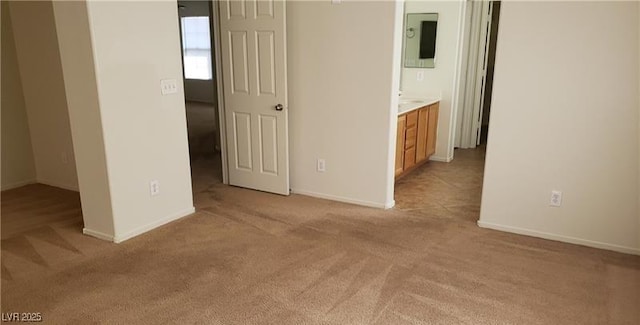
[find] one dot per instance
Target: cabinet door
(400, 144)
(409, 158)
(410, 137)
(421, 145)
(432, 129)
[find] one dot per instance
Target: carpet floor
(247, 257)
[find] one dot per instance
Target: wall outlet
(154, 187)
(321, 166)
(168, 86)
(420, 75)
(556, 198)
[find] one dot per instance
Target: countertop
(406, 105)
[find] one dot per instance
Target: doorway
(196, 21)
(453, 190)
(479, 35)
(490, 68)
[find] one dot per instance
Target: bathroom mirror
(420, 33)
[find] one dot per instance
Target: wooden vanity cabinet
(416, 142)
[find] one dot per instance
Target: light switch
(168, 86)
(420, 75)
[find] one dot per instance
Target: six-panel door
(253, 46)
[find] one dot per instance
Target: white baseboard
(390, 204)
(441, 159)
(97, 234)
(153, 225)
(566, 239)
(57, 184)
(17, 184)
(345, 199)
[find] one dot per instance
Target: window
(196, 48)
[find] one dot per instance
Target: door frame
(481, 72)
(472, 69)
(215, 16)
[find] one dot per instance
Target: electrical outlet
(321, 165)
(556, 198)
(168, 86)
(154, 187)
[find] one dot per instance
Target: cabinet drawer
(409, 158)
(412, 119)
(410, 138)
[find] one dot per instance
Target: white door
(253, 44)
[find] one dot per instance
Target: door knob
(279, 107)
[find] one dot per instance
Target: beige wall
(145, 133)
(128, 134)
(565, 116)
(438, 81)
(341, 98)
(72, 25)
(44, 95)
(17, 154)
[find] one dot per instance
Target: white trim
(60, 185)
(17, 184)
(441, 159)
(390, 204)
(556, 237)
(467, 109)
(396, 80)
(386, 205)
(153, 225)
(481, 72)
(217, 48)
(97, 234)
(460, 76)
(471, 77)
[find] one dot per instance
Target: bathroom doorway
(452, 188)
